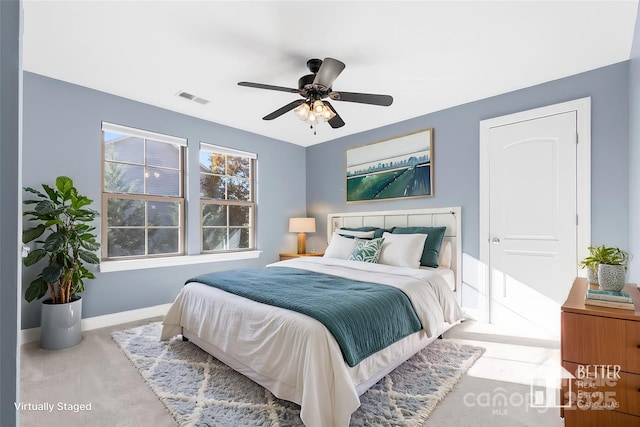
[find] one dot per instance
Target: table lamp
(301, 226)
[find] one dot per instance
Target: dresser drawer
(599, 388)
(595, 340)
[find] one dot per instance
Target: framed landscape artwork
(394, 168)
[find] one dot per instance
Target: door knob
(495, 240)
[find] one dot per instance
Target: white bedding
(295, 356)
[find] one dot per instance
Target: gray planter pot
(611, 277)
(592, 275)
(60, 324)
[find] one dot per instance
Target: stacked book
(609, 299)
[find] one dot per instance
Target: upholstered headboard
(428, 217)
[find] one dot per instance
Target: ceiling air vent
(200, 100)
(190, 97)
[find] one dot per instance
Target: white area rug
(199, 390)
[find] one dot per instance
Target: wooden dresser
(600, 346)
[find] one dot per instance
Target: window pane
(120, 178)
(238, 166)
(214, 239)
(163, 241)
(163, 154)
(211, 162)
(238, 238)
(239, 216)
(216, 163)
(125, 242)
(239, 189)
(205, 161)
(212, 186)
(165, 214)
(122, 148)
(163, 182)
(125, 212)
(214, 216)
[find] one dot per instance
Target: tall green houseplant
(67, 241)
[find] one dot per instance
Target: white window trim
(172, 261)
(159, 137)
(210, 148)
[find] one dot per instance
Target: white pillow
(402, 250)
(444, 257)
(339, 247)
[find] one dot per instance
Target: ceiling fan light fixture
(318, 107)
(316, 112)
(328, 113)
(302, 111)
(312, 118)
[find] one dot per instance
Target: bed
(294, 355)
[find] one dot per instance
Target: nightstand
(294, 255)
(600, 346)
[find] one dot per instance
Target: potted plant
(591, 262)
(606, 266)
(66, 241)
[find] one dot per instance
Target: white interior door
(531, 223)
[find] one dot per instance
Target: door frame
(582, 107)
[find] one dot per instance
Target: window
(227, 204)
(143, 196)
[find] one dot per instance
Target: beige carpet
(97, 372)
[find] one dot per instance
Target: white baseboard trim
(33, 334)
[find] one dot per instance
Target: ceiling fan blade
(362, 98)
(280, 111)
(336, 121)
(269, 87)
(328, 72)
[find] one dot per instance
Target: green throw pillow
(366, 250)
(360, 232)
(359, 228)
(380, 231)
(377, 232)
(432, 245)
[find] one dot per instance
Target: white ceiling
(429, 55)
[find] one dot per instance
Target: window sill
(138, 264)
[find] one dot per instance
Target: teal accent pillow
(359, 228)
(380, 231)
(377, 232)
(366, 250)
(360, 233)
(432, 245)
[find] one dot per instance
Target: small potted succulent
(606, 266)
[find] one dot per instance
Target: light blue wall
(10, 93)
(634, 156)
(456, 155)
(62, 137)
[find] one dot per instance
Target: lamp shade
(302, 225)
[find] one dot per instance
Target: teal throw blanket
(363, 317)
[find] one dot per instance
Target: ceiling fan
(314, 88)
